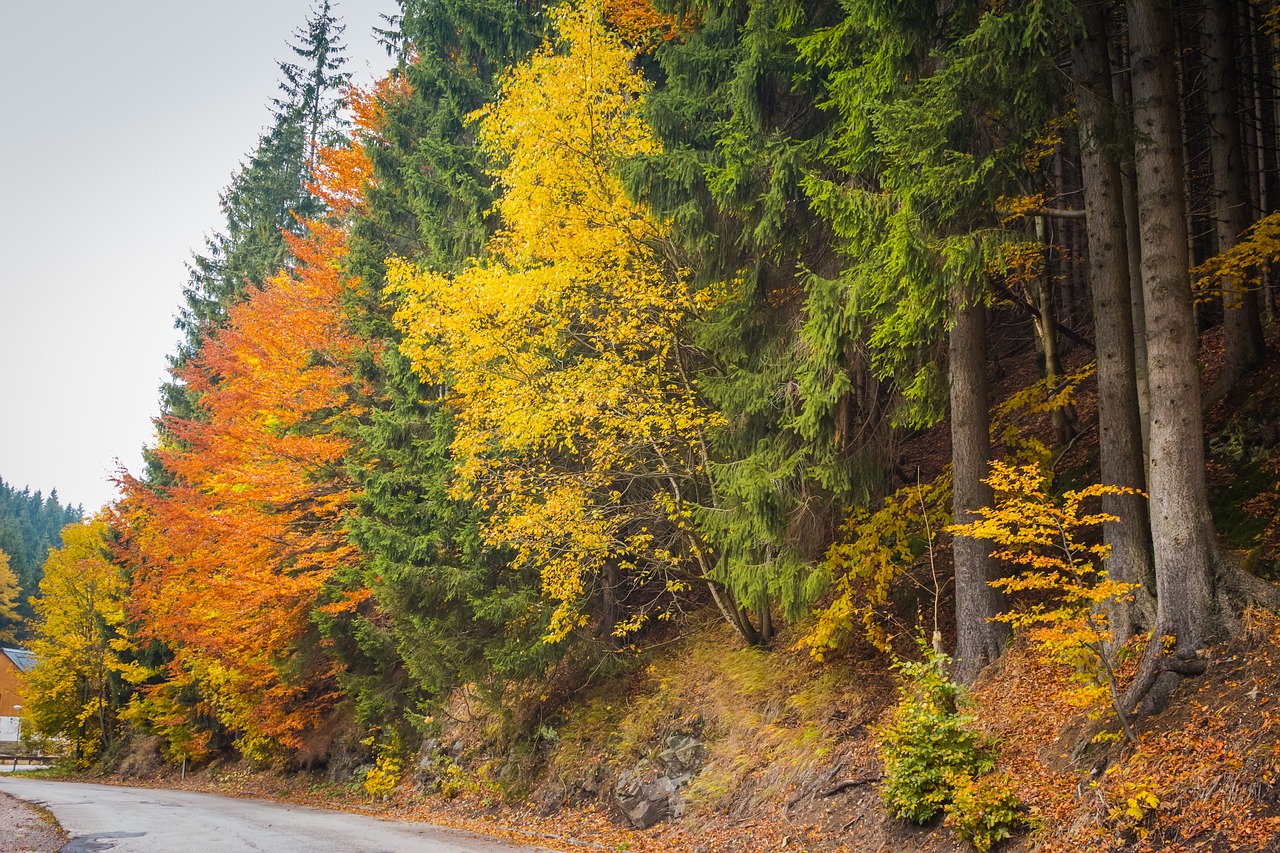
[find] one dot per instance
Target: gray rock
(684, 754)
(648, 796)
(646, 803)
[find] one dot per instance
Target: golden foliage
(874, 551)
(878, 549)
(1242, 264)
(80, 618)
(9, 592)
(1067, 588)
(561, 352)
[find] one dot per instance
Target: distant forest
(30, 524)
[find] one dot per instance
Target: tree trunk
(979, 641)
(1264, 85)
(1047, 328)
(1186, 552)
(1119, 425)
(1241, 323)
(610, 584)
(1129, 191)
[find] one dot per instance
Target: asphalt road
(141, 820)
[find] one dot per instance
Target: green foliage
(313, 90)
(941, 117)
(30, 524)
(929, 743)
(736, 112)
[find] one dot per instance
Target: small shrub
(928, 743)
(984, 811)
(260, 750)
(383, 779)
(452, 780)
(1131, 808)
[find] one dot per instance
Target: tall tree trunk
(1265, 81)
(1241, 323)
(979, 641)
(1129, 192)
(1263, 119)
(1119, 424)
(1250, 104)
(1046, 324)
(1189, 608)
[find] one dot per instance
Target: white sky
(120, 123)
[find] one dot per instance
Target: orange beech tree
(234, 546)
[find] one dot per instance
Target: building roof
(22, 659)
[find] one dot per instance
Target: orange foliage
(1200, 776)
(232, 550)
(643, 26)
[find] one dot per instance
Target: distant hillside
(30, 524)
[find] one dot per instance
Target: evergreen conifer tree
(940, 109)
(313, 87)
(446, 609)
(268, 195)
(737, 114)
(30, 524)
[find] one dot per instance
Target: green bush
(928, 742)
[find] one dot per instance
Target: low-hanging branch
(1030, 310)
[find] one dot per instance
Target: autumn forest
(854, 422)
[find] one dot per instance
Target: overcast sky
(120, 122)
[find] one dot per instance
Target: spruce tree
(446, 610)
(737, 114)
(940, 108)
(30, 524)
(313, 87)
(268, 195)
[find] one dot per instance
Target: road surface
(141, 820)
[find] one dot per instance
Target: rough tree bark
(1046, 325)
(1241, 321)
(1190, 607)
(1119, 422)
(979, 641)
(1129, 192)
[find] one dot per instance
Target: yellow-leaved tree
(1061, 571)
(79, 618)
(577, 425)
